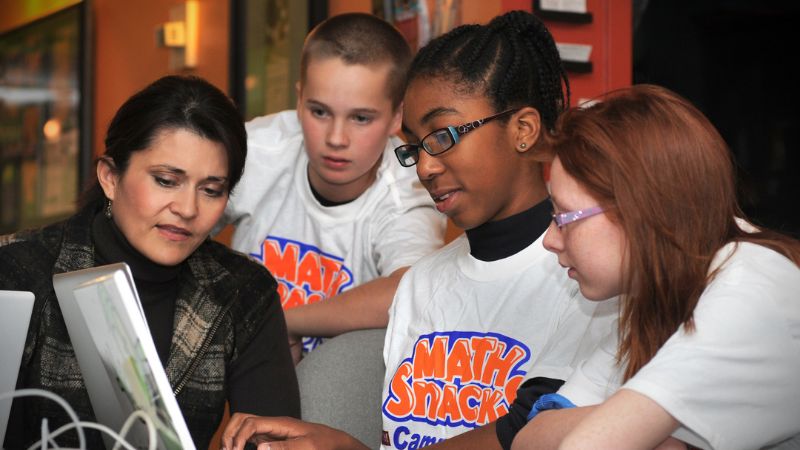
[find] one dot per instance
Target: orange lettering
(434, 393)
(308, 272)
(501, 410)
(314, 298)
(426, 395)
(501, 365)
(296, 297)
(404, 401)
(429, 362)
(458, 362)
(342, 278)
(449, 405)
(486, 410)
(482, 346)
(469, 395)
(510, 389)
(330, 269)
(281, 265)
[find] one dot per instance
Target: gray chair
(341, 384)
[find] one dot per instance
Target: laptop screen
(117, 355)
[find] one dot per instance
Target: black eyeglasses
(441, 140)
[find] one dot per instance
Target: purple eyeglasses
(562, 219)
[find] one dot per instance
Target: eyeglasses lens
(438, 142)
(407, 155)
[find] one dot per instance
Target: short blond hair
(359, 38)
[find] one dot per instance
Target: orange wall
(127, 57)
(610, 34)
(474, 11)
(611, 37)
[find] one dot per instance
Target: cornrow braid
(427, 56)
(513, 60)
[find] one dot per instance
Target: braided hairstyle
(513, 59)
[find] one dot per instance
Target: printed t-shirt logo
(457, 379)
(305, 273)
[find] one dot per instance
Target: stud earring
(108, 209)
(523, 146)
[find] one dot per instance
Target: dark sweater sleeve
(262, 378)
(509, 425)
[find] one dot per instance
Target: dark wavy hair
(171, 103)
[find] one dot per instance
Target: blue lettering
(417, 440)
(414, 444)
(401, 445)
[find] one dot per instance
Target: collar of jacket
(206, 291)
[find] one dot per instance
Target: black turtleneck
(251, 378)
(503, 238)
(155, 283)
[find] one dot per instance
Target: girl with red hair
(708, 347)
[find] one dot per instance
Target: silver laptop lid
(117, 356)
(15, 316)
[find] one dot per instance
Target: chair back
(341, 383)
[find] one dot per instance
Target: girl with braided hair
(492, 313)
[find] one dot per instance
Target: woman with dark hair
(174, 152)
(708, 349)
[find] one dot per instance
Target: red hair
(666, 177)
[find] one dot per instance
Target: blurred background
(67, 65)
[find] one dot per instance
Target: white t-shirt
(316, 252)
(733, 383)
(464, 334)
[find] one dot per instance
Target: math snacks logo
(305, 274)
(457, 379)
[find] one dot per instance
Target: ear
(397, 120)
(298, 92)
(525, 128)
(107, 176)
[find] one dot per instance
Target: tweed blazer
(223, 301)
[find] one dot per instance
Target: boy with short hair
(322, 203)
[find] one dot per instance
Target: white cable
(119, 437)
(46, 436)
(97, 426)
(55, 398)
(43, 431)
(151, 428)
(49, 438)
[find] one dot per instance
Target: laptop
(15, 316)
(117, 356)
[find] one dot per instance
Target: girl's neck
(503, 238)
